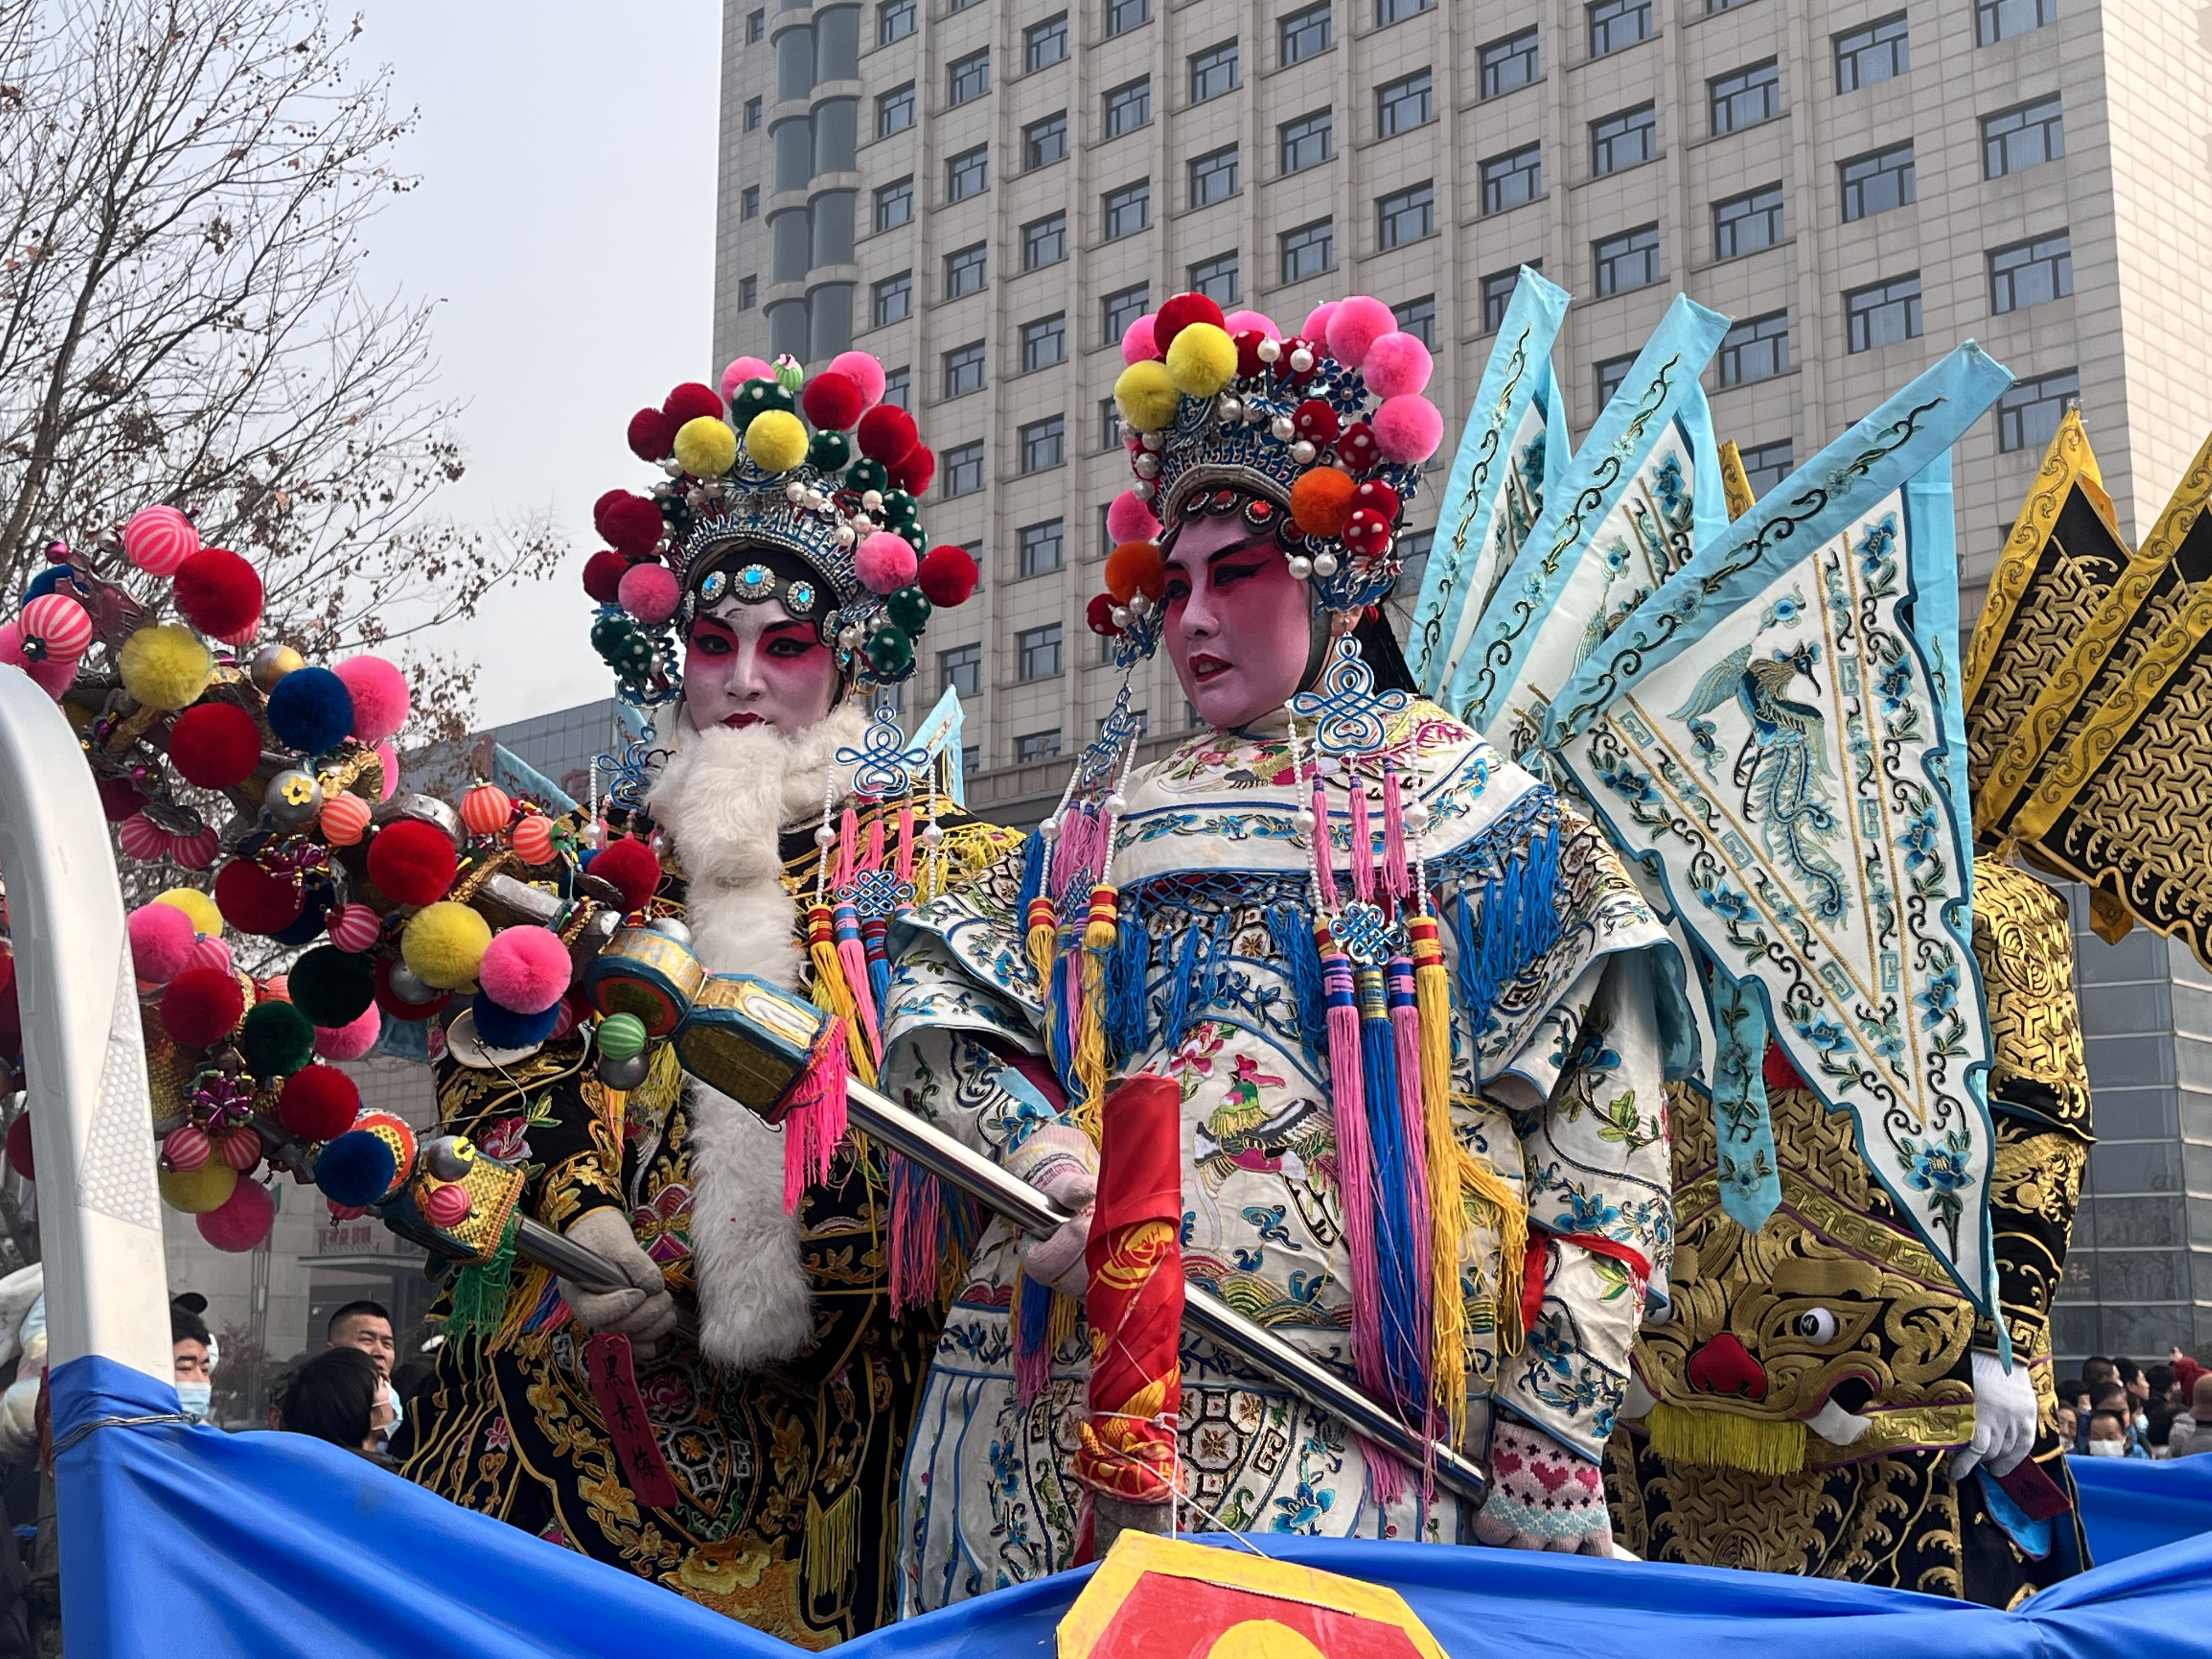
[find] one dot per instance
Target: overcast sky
(565, 224)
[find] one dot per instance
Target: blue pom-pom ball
(311, 711)
(356, 1169)
(502, 1027)
(45, 582)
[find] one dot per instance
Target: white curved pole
(99, 1214)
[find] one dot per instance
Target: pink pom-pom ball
(1315, 332)
(1240, 321)
(650, 592)
(1138, 345)
(886, 563)
(1354, 325)
(1407, 429)
(740, 370)
(527, 968)
(381, 701)
(1128, 520)
(241, 1221)
(143, 838)
(59, 625)
(352, 1040)
(864, 372)
(390, 757)
(159, 539)
(161, 940)
(11, 645)
(1397, 366)
(54, 678)
(353, 928)
(211, 952)
(197, 851)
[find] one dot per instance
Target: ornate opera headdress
(762, 504)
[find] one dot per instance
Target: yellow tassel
(832, 995)
(1484, 1186)
(833, 1543)
(523, 1296)
(1448, 1361)
(1044, 942)
(1065, 1309)
(1099, 934)
(1724, 1440)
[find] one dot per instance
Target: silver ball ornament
(294, 796)
(1301, 359)
(625, 1074)
(1139, 606)
(407, 985)
(1301, 566)
(1302, 452)
(1324, 565)
(1282, 428)
(670, 928)
(1269, 351)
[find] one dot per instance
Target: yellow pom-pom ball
(207, 921)
(705, 446)
(197, 1191)
(1147, 396)
(445, 945)
(1201, 359)
(166, 667)
(777, 440)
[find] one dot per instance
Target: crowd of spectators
(2116, 1409)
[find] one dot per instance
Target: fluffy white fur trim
(724, 798)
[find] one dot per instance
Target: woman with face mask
(1402, 993)
(765, 599)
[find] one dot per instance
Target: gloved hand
(1058, 1160)
(643, 1310)
(1542, 1497)
(2005, 1415)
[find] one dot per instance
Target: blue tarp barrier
(187, 1540)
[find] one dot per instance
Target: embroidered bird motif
(1783, 766)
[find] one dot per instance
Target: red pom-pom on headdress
(215, 744)
(916, 471)
(631, 522)
(218, 593)
(832, 401)
(1179, 313)
(202, 1006)
(652, 435)
(603, 574)
(253, 901)
(947, 576)
(887, 434)
(319, 1103)
(1098, 616)
(412, 862)
(690, 401)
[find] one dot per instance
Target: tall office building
(984, 194)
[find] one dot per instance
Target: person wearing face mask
(1188, 924)
(774, 581)
(188, 1344)
(2111, 1435)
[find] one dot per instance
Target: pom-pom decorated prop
(165, 667)
(277, 1040)
(218, 593)
(241, 1221)
(354, 1040)
(201, 1007)
(256, 902)
(380, 693)
(333, 987)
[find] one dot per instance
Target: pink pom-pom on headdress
(1128, 520)
(740, 370)
(1240, 321)
(1354, 325)
(886, 563)
(864, 372)
(1407, 429)
(526, 969)
(651, 593)
(1397, 366)
(1138, 345)
(352, 1040)
(390, 757)
(161, 940)
(381, 700)
(1315, 332)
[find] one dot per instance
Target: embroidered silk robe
(1557, 1088)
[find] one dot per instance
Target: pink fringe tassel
(1397, 875)
(914, 1203)
(1406, 1034)
(875, 859)
(852, 956)
(906, 844)
(1324, 857)
(815, 1120)
(1355, 1173)
(848, 831)
(1363, 844)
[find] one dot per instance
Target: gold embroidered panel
(2023, 942)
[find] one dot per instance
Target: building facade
(983, 194)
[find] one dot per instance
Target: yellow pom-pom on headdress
(166, 667)
(1147, 396)
(444, 943)
(705, 446)
(776, 440)
(197, 1191)
(1201, 359)
(207, 921)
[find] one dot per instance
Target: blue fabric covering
(178, 1539)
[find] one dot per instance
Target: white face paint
(754, 665)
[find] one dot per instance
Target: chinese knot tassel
(853, 956)
(1413, 1126)
(1355, 1158)
(1447, 1362)
(1042, 941)
(1405, 1329)
(830, 992)
(1098, 939)
(814, 1122)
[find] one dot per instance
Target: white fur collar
(724, 798)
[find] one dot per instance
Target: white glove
(643, 1310)
(2005, 1415)
(1058, 1161)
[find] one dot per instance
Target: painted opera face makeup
(747, 664)
(1239, 625)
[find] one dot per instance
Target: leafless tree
(184, 188)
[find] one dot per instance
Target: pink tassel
(914, 1205)
(815, 1120)
(1363, 844)
(1387, 1478)
(906, 843)
(852, 956)
(1355, 1165)
(875, 860)
(1324, 859)
(1406, 1037)
(1397, 872)
(848, 832)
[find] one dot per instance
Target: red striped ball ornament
(486, 808)
(159, 539)
(353, 928)
(448, 1205)
(344, 818)
(534, 839)
(55, 629)
(143, 838)
(186, 1148)
(211, 952)
(240, 1148)
(198, 851)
